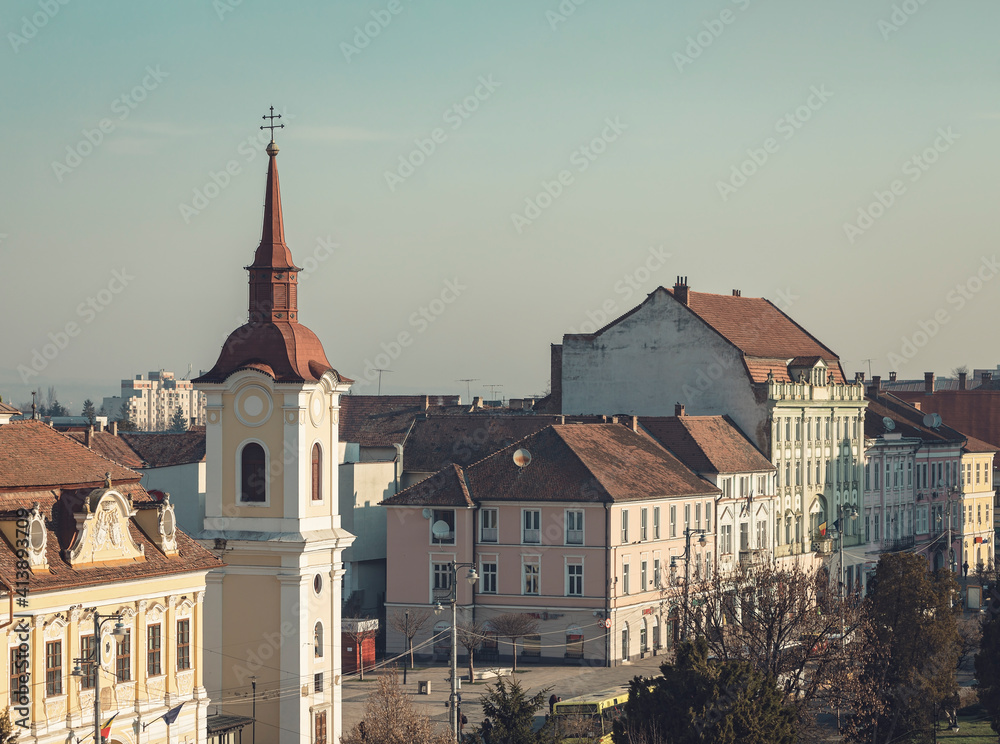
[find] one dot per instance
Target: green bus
(588, 719)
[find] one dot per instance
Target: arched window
(317, 473)
(318, 641)
(253, 474)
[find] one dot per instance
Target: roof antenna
(33, 394)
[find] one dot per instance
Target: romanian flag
(822, 530)
(106, 728)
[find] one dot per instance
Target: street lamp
(472, 577)
(119, 632)
(686, 557)
(849, 512)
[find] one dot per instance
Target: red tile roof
(974, 412)
(107, 444)
(384, 420)
(35, 455)
(978, 445)
(707, 444)
(4, 408)
(446, 487)
(570, 463)
(165, 449)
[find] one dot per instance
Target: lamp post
(409, 643)
(686, 557)
(118, 633)
(472, 577)
(849, 512)
(253, 710)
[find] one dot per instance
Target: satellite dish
(440, 528)
(888, 423)
(427, 513)
(522, 458)
(937, 420)
(929, 420)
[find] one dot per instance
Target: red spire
(273, 276)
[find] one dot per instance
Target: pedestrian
(965, 568)
(552, 703)
(361, 730)
(487, 729)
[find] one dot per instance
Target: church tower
(272, 613)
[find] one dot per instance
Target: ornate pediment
(160, 525)
(102, 531)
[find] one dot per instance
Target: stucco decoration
(55, 708)
(185, 682)
(317, 407)
(37, 539)
(102, 531)
(253, 405)
(160, 525)
(54, 627)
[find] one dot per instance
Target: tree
(178, 422)
(53, 407)
(125, 422)
(988, 658)
(913, 623)
(512, 712)
(89, 412)
(470, 635)
(513, 625)
(726, 702)
(958, 370)
(7, 733)
(408, 624)
(391, 719)
(786, 624)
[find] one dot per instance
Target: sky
(477, 179)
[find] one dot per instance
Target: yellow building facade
(975, 518)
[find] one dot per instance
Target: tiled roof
(447, 487)
(707, 444)
(35, 455)
(58, 511)
(978, 445)
(908, 421)
(437, 441)
(164, 449)
(112, 447)
(570, 463)
(4, 408)
(383, 420)
(974, 412)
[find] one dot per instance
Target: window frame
(574, 579)
(494, 512)
(123, 658)
(53, 672)
(576, 516)
(537, 528)
(316, 472)
(183, 644)
(154, 653)
(446, 540)
(240, 481)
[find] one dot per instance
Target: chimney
(555, 376)
(963, 380)
(892, 377)
(987, 378)
(88, 436)
(681, 290)
(477, 402)
(737, 293)
(928, 383)
(678, 409)
(114, 428)
(876, 384)
(635, 423)
(859, 377)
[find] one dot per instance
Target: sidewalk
(565, 681)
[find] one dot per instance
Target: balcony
(822, 544)
(489, 535)
(532, 537)
(574, 537)
(752, 557)
(897, 544)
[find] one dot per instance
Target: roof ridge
(101, 455)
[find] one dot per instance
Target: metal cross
(272, 126)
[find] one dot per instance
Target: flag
(822, 530)
(171, 715)
(106, 728)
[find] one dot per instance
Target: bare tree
(787, 623)
(513, 625)
(408, 624)
(470, 635)
(361, 630)
(391, 719)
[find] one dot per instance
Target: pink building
(582, 538)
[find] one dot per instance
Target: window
(253, 474)
(644, 524)
(624, 526)
(317, 473)
(909, 473)
(443, 518)
(673, 521)
(88, 650)
(488, 532)
(708, 516)
(788, 474)
(532, 646)
(183, 644)
(319, 736)
(827, 421)
(153, 668)
(762, 535)
(726, 540)
(53, 668)
(809, 479)
(574, 580)
(574, 642)
(656, 573)
(809, 429)
(318, 641)
(15, 677)
(697, 516)
(727, 488)
(532, 526)
(744, 536)
(876, 527)
(687, 516)
(656, 523)
(625, 572)
(643, 579)
(574, 527)
(977, 473)
(798, 473)
(489, 580)
(798, 430)
(788, 430)
(530, 578)
(123, 662)
(318, 682)
(442, 577)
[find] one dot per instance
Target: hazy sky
(638, 116)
